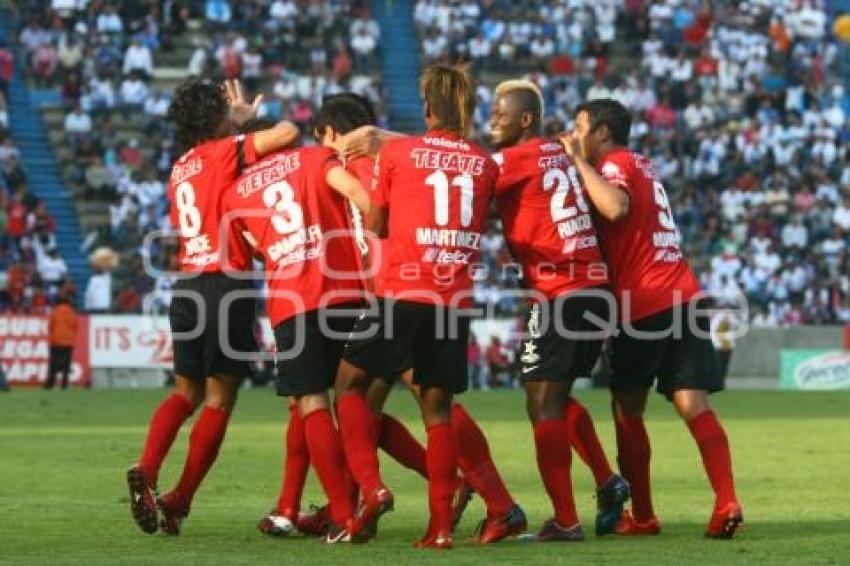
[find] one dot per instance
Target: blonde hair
(450, 95)
(524, 86)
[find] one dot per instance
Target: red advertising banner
(24, 351)
(847, 337)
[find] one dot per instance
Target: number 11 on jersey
(439, 181)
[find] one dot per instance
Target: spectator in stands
(98, 299)
(139, 59)
(77, 123)
(4, 112)
(7, 68)
(109, 22)
(363, 44)
(218, 14)
(44, 63)
(134, 93)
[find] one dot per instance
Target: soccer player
(664, 334)
(205, 116)
(340, 115)
(549, 230)
(291, 208)
(430, 196)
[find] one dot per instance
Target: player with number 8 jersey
(207, 116)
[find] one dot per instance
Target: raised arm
(348, 186)
(610, 201)
(281, 136)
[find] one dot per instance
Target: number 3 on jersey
(440, 183)
(290, 216)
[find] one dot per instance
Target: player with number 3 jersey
(664, 335)
(291, 207)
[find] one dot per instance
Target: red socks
(296, 464)
(716, 457)
(396, 440)
(633, 455)
(473, 455)
(585, 441)
(356, 424)
(204, 442)
(442, 476)
(165, 423)
(554, 458)
(326, 454)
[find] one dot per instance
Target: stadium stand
(743, 107)
(110, 67)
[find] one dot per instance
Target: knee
(351, 379)
(628, 406)
(222, 401)
(436, 406)
(191, 391)
(690, 403)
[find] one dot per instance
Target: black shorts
(564, 337)
(686, 361)
(431, 339)
(204, 353)
(310, 346)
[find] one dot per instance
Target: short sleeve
(234, 153)
(615, 173)
(380, 193)
(506, 173)
(326, 159)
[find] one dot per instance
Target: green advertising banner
(814, 370)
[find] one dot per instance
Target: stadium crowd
(739, 104)
(106, 60)
(32, 274)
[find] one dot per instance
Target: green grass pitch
(63, 498)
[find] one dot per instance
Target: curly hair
(198, 109)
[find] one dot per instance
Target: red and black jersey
(437, 188)
(547, 220)
(647, 268)
(198, 181)
(285, 208)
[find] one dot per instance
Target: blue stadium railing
(400, 63)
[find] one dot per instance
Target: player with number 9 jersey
(648, 270)
(664, 339)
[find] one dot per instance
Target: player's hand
(240, 110)
(572, 145)
(364, 141)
